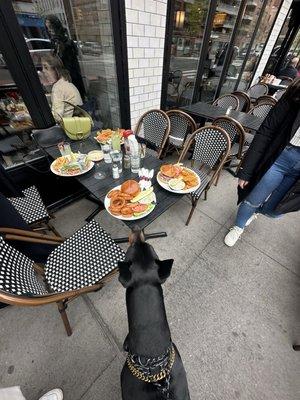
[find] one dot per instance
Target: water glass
(126, 161)
(116, 157)
(135, 163)
(106, 152)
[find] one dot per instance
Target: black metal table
(99, 188)
(211, 112)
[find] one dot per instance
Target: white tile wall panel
(145, 22)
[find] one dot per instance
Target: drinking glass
(135, 163)
(106, 152)
(116, 157)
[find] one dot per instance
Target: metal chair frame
(232, 96)
(165, 136)
(214, 178)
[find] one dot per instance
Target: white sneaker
(252, 218)
(55, 394)
(233, 236)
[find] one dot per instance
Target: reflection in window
(188, 30)
(79, 33)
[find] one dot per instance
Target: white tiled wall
(145, 23)
(272, 39)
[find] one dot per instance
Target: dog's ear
(124, 273)
(164, 269)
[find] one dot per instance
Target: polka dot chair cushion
(261, 110)
(228, 100)
(153, 127)
(30, 207)
(83, 259)
(210, 144)
(180, 128)
(17, 275)
(204, 181)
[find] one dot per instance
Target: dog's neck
(149, 332)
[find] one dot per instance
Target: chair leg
(296, 347)
(217, 178)
(194, 205)
(62, 310)
(205, 195)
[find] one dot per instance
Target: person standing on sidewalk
(269, 181)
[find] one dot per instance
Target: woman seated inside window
(62, 90)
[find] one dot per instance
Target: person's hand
(242, 184)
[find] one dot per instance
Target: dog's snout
(136, 235)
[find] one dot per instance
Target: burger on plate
(169, 171)
(131, 187)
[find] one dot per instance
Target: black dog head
(141, 264)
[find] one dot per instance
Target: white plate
(68, 175)
(107, 204)
(184, 191)
(95, 155)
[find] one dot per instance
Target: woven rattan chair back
(258, 90)
(154, 128)
(285, 80)
(261, 110)
(227, 100)
(266, 100)
(244, 101)
(232, 127)
(182, 125)
(17, 275)
(211, 146)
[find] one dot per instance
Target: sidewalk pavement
(233, 312)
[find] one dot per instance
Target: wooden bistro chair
(261, 111)
(81, 264)
(227, 100)
(211, 148)
(244, 101)
(182, 125)
(236, 133)
(153, 128)
(255, 91)
(267, 99)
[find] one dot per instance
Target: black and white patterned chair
(255, 91)
(81, 264)
(237, 137)
(267, 99)
(244, 101)
(182, 125)
(153, 128)
(31, 206)
(261, 110)
(227, 100)
(211, 147)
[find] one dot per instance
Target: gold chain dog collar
(156, 377)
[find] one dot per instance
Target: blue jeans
(272, 187)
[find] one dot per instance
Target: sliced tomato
(140, 208)
(177, 171)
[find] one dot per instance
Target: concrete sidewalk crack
(104, 327)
